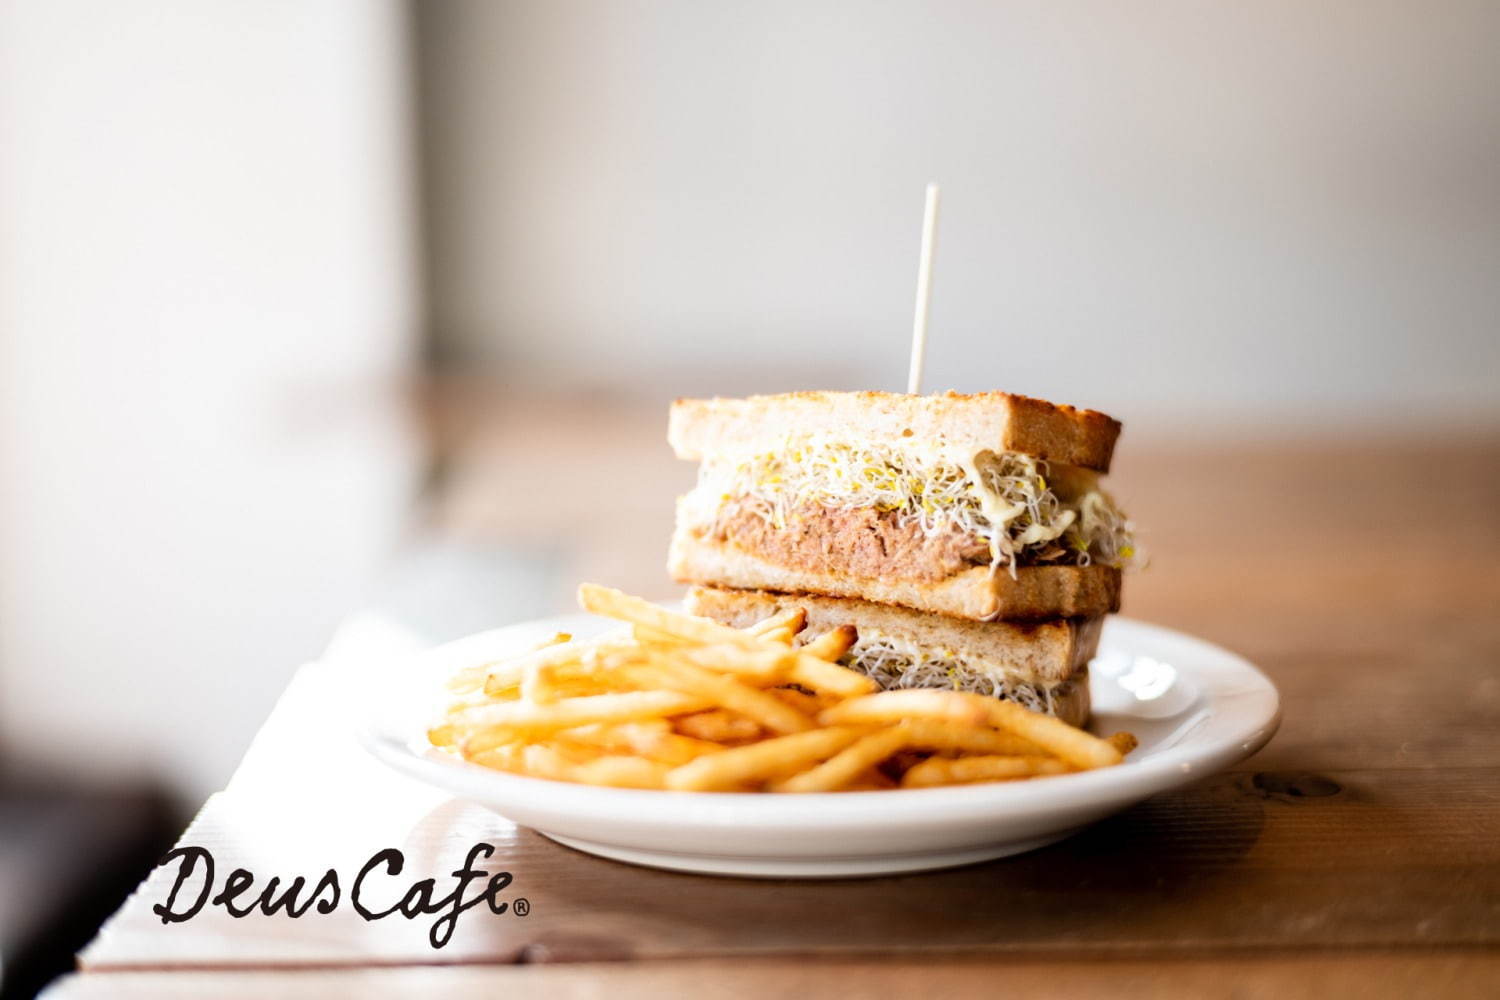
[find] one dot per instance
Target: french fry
(933, 734)
(718, 726)
(807, 670)
(571, 752)
(509, 674)
(848, 764)
(762, 665)
(675, 749)
(757, 762)
(897, 706)
(822, 676)
(506, 758)
(622, 772)
(1081, 749)
(834, 678)
(542, 761)
(616, 734)
(546, 683)
(779, 636)
(480, 740)
(1052, 735)
(616, 604)
(1123, 742)
(472, 679)
(502, 691)
(780, 627)
(468, 680)
(968, 770)
(657, 743)
(571, 712)
(765, 663)
(725, 692)
(832, 644)
(555, 688)
(807, 704)
(873, 780)
(655, 636)
(536, 685)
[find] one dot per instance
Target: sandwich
(1042, 666)
(967, 538)
(985, 506)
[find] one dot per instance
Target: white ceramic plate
(1197, 709)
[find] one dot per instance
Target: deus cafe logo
(371, 894)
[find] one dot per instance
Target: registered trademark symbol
(521, 907)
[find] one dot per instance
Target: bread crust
(986, 421)
(1043, 653)
(1073, 705)
(978, 594)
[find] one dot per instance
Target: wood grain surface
(1359, 850)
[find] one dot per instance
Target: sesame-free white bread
(1044, 653)
(1035, 593)
(986, 421)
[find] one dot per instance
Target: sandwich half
(1043, 666)
(985, 506)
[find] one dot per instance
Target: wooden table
(1359, 852)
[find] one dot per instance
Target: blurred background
(309, 308)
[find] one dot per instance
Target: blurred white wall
(1205, 217)
(206, 292)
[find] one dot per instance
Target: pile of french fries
(685, 703)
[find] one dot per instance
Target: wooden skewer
(924, 292)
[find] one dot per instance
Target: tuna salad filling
(871, 510)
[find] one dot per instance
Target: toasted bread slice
(970, 424)
(1042, 665)
(1047, 652)
(976, 593)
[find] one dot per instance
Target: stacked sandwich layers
(966, 537)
